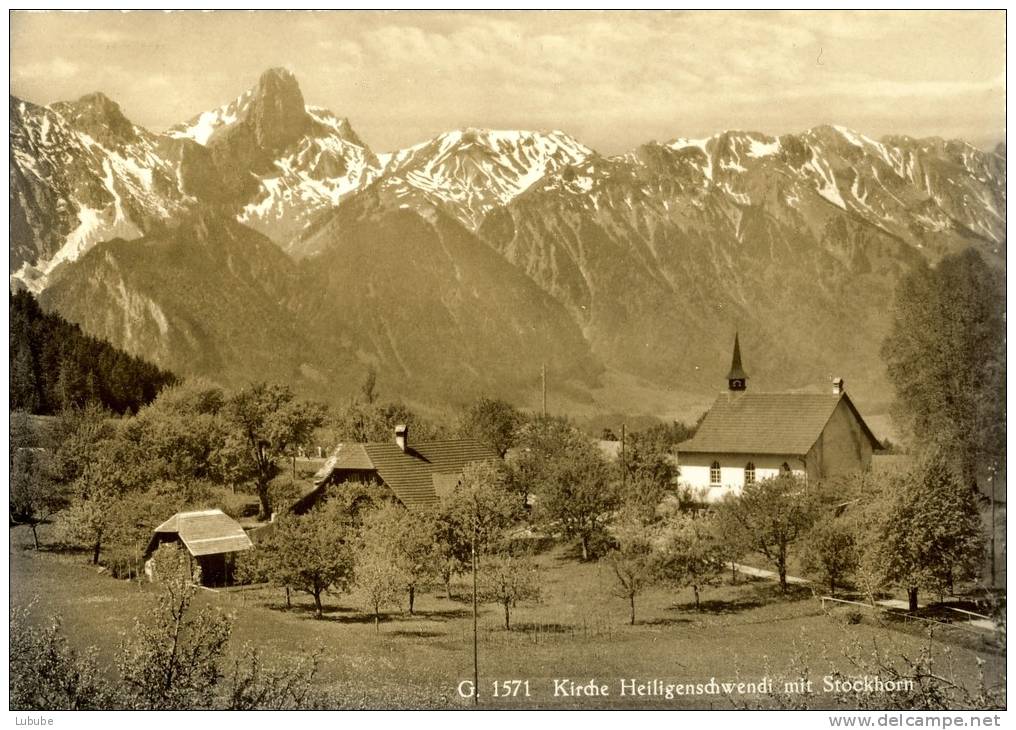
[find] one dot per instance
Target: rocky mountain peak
(98, 116)
(277, 113)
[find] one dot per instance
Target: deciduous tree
(505, 579)
(929, 534)
(945, 356)
(266, 422)
(312, 552)
(493, 423)
(830, 551)
(172, 660)
(378, 580)
(635, 563)
(691, 554)
(769, 516)
(574, 486)
(410, 539)
(35, 495)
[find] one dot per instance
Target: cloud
(56, 68)
(106, 37)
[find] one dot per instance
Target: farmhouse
(417, 474)
(211, 538)
(747, 437)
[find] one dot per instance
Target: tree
(691, 553)
(376, 421)
(929, 533)
(311, 553)
(367, 390)
(651, 453)
(769, 516)
(635, 563)
(493, 423)
(945, 356)
(506, 580)
(112, 471)
(24, 387)
(410, 539)
(481, 503)
(378, 580)
(266, 421)
(830, 551)
(182, 431)
(35, 497)
(479, 510)
(730, 537)
(253, 687)
(573, 484)
(46, 673)
(172, 661)
(78, 433)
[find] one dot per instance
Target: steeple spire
(737, 379)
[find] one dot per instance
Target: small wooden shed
(211, 537)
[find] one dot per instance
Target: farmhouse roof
(208, 532)
(417, 475)
(768, 423)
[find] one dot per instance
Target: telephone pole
(991, 477)
(476, 644)
(624, 466)
(543, 377)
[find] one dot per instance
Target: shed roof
(207, 532)
(410, 473)
(768, 423)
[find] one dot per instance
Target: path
(762, 573)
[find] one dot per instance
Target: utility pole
(991, 477)
(624, 465)
(543, 377)
(476, 645)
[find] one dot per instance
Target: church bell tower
(737, 380)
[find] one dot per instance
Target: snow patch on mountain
(470, 172)
(204, 125)
(758, 148)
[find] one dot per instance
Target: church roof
(418, 475)
(768, 423)
(736, 370)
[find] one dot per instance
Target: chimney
(402, 436)
(837, 386)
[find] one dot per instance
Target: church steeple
(737, 379)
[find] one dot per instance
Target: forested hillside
(53, 365)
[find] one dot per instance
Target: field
(577, 631)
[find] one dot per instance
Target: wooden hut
(211, 537)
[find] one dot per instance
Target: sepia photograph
(508, 360)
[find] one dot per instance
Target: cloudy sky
(613, 80)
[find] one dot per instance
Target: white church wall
(695, 471)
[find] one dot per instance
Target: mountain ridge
(638, 265)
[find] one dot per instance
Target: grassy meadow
(578, 630)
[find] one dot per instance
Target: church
(746, 437)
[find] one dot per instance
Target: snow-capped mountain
(284, 161)
(82, 173)
(203, 126)
(469, 172)
(799, 238)
(912, 188)
(516, 246)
